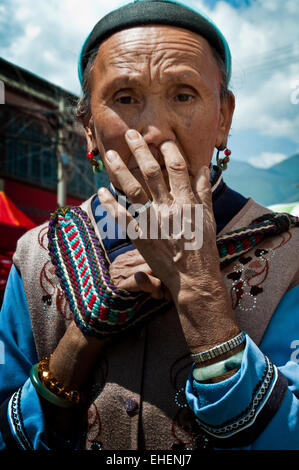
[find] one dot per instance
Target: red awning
(13, 224)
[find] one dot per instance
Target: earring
(97, 165)
(222, 162)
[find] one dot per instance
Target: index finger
(178, 175)
(149, 166)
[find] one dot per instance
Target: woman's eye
(126, 100)
(183, 97)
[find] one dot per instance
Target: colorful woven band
(98, 306)
(220, 349)
(234, 244)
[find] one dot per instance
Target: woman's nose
(155, 126)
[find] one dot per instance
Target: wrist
(224, 368)
(207, 318)
(221, 362)
(212, 338)
(74, 357)
(220, 378)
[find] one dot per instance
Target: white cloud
(47, 38)
(265, 51)
(267, 159)
(32, 31)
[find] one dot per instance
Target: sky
(45, 37)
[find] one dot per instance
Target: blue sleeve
(258, 407)
(22, 424)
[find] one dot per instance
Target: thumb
(150, 284)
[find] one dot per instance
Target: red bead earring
(97, 165)
(222, 162)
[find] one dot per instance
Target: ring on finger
(144, 207)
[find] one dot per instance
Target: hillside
(276, 185)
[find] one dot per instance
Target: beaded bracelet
(50, 388)
(219, 368)
(45, 393)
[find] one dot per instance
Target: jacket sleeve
(22, 423)
(258, 407)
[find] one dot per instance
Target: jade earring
(97, 164)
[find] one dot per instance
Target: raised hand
(175, 253)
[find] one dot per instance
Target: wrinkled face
(164, 82)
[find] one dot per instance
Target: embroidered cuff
(234, 412)
(22, 424)
(25, 419)
(7, 438)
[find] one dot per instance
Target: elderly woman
(182, 338)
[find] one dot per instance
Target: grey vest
(137, 400)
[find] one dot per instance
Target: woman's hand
(170, 255)
(184, 258)
(130, 271)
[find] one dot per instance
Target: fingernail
(110, 155)
(140, 276)
(132, 134)
(101, 192)
(206, 172)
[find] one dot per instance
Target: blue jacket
(260, 399)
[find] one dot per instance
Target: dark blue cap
(164, 12)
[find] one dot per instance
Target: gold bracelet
(52, 384)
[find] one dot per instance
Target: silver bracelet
(232, 343)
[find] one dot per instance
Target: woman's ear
(90, 135)
(226, 116)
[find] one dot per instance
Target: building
(43, 162)
(38, 132)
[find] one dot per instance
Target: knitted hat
(164, 12)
